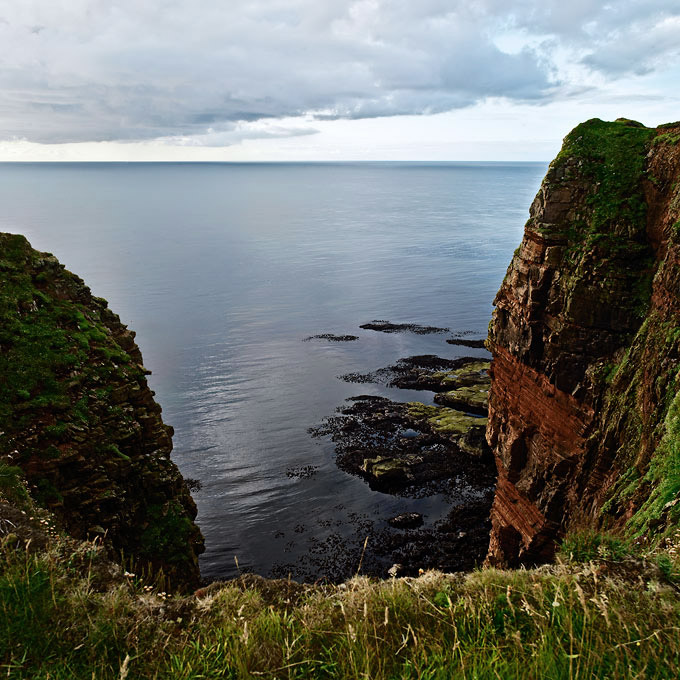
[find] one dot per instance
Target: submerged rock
(465, 342)
(426, 372)
(386, 327)
(407, 520)
(386, 470)
(332, 337)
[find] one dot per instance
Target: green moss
(46, 493)
(613, 154)
(51, 349)
(444, 420)
(639, 420)
(609, 371)
(667, 138)
(663, 477)
(473, 397)
(469, 374)
(168, 533)
(57, 430)
(12, 484)
(112, 448)
(608, 162)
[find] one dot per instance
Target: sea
(225, 270)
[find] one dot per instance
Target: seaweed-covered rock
(386, 327)
(406, 448)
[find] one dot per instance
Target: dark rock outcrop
(583, 405)
(77, 416)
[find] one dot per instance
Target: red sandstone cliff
(583, 406)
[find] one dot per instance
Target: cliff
(584, 404)
(78, 418)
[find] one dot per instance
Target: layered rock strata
(583, 405)
(78, 417)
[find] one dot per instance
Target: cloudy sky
(327, 79)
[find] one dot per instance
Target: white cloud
(213, 72)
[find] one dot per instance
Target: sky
(297, 80)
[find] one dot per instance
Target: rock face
(583, 405)
(77, 415)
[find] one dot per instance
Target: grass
(12, 485)
(585, 546)
(595, 614)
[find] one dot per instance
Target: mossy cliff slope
(77, 416)
(584, 405)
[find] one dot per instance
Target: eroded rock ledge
(583, 405)
(77, 415)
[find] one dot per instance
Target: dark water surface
(223, 270)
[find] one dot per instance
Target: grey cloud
(616, 38)
(234, 133)
(638, 50)
(91, 70)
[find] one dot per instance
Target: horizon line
(254, 162)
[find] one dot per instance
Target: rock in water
(407, 520)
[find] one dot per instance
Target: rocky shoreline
(415, 450)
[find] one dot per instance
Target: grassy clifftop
(599, 611)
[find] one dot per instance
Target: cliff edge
(584, 403)
(78, 418)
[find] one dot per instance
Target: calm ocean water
(223, 270)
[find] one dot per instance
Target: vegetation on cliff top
(68, 613)
(609, 158)
(613, 157)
